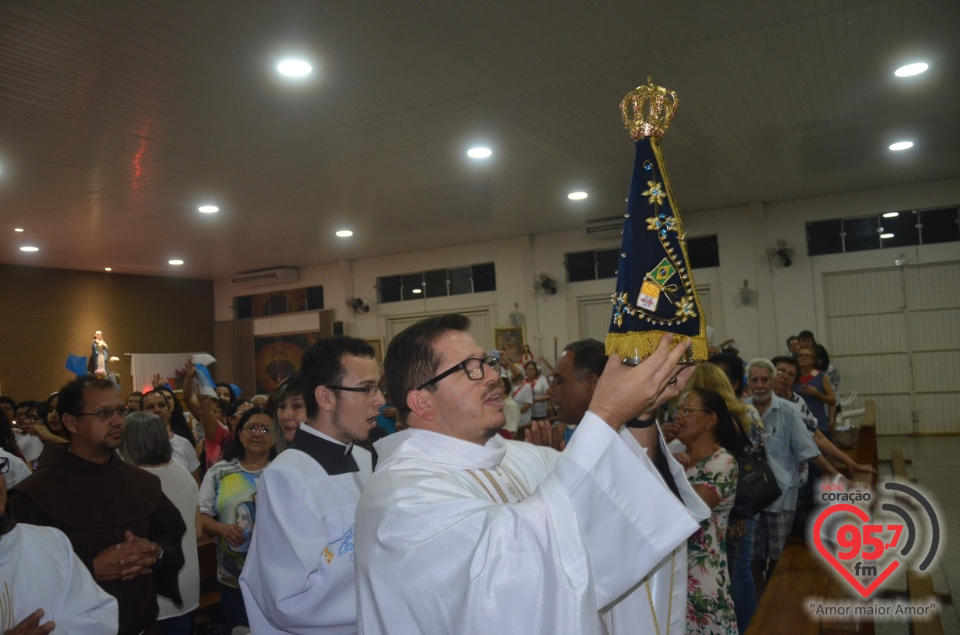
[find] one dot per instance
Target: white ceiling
(117, 119)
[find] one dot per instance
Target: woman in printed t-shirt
(228, 504)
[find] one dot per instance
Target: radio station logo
(866, 539)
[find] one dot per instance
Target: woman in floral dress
(712, 439)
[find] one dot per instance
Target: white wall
(788, 299)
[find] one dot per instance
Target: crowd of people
(336, 509)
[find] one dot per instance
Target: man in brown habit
(120, 524)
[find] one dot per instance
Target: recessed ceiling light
(479, 153)
(18, 229)
(886, 235)
(208, 209)
(176, 262)
(29, 248)
(416, 290)
(577, 196)
(344, 233)
(294, 68)
(108, 268)
(911, 69)
(901, 145)
(891, 214)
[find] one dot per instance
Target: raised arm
(192, 406)
(207, 418)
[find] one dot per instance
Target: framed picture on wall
(377, 344)
(276, 357)
(509, 339)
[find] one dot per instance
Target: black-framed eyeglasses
(472, 366)
(104, 413)
(368, 391)
(4, 465)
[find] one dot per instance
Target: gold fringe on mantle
(643, 343)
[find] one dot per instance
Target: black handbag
(756, 485)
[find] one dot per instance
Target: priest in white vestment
(460, 531)
(658, 604)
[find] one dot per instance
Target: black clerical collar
(7, 522)
(334, 458)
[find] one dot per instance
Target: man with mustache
(575, 378)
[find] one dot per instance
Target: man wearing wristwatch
(575, 377)
(120, 524)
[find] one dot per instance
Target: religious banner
(655, 292)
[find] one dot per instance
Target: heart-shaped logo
(832, 559)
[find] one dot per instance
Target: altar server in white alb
(299, 573)
(44, 587)
(460, 531)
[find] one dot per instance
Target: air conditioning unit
(605, 227)
(266, 276)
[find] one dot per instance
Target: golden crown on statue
(648, 109)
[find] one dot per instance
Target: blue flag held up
(76, 364)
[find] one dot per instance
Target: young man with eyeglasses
(299, 572)
(125, 531)
(460, 531)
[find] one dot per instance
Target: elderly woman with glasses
(713, 438)
(228, 503)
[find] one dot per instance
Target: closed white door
(894, 335)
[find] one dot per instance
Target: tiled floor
(934, 463)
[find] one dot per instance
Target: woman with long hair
(227, 502)
(740, 530)
(178, 418)
(184, 453)
(712, 438)
(146, 443)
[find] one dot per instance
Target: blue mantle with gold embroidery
(655, 292)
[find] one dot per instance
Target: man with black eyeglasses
(299, 573)
(460, 531)
(125, 531)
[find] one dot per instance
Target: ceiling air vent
(266, 276)
(605, 227)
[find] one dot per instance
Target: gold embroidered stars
(686, 308)
(655, 192)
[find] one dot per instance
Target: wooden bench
(781, 609)
(919, 584)
(801, 574)
(207, 613)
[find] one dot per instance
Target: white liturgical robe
(39, 570)
(507, 537)
(299, 574)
